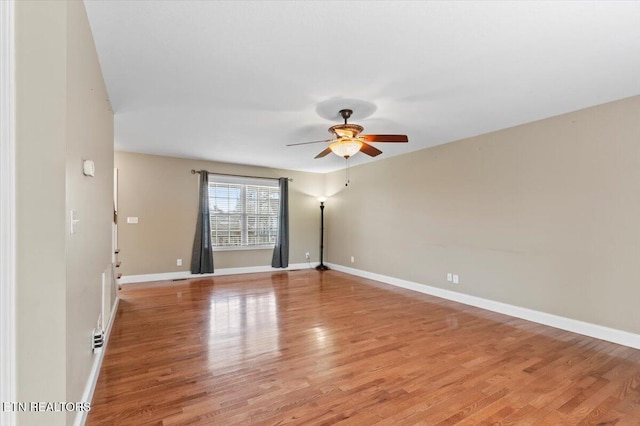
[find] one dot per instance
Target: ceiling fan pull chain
(347, 171)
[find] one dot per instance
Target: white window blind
(243, 211)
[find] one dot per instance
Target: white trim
(588, 329)
(129, 279)
(90, 387)
(7, 212)
(240, 248)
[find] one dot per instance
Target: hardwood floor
(305, 347)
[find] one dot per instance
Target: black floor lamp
(322, 266)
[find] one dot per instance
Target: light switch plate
(132, 219)
(73, 222)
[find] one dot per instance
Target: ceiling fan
(348, 141)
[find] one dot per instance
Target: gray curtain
(281, 250)
(202, 254)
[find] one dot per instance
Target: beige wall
(40, 205)
(163, 194)
(544, 215)
(63, 117)
(89, 137)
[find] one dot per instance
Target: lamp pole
(322, 266)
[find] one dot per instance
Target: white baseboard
(587, 329)
(90, 387)
(129, 279)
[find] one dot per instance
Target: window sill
(242, 248)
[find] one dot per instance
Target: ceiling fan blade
(385, 138)
(370, 150)
(323, 153)
(307, 143)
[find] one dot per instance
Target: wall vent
(97, 340)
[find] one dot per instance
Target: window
(243, 211)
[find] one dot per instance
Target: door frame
(7, 213)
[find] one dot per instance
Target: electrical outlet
(353, 259)
(456, 279)
(449, 276)
(179, 262)
(307, 256)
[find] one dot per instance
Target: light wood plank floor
(305, 347)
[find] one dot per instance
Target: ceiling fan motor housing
(346, 130)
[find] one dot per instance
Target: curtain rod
(193, 172)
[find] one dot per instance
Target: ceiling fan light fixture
(347, 140)
(345, 147)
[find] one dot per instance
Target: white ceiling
(236, 81)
